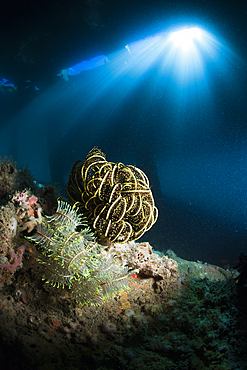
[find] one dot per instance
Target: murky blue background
(189, 137)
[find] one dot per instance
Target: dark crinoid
(73, 258)
(116, 199)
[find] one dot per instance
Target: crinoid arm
(116, 199)
(87, 292)
(72, 258)
(74, 186)
(44, 236)
(112, 277)
(105, 281)
(55, 274)
(65, 252)
(67, 215)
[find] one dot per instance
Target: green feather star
(72, 257)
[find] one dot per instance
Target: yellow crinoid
(116, 199)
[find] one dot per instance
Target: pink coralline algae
(28, 210)
(24, 199)
(16, 260)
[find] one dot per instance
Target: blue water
(182, 121)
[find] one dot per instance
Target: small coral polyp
(116, 199)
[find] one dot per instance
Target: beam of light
(181, 54)
(85, 103)
(187, 54)
(185, 38)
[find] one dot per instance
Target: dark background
(192, 149)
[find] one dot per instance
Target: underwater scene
(123, 177)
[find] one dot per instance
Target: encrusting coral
(73, 258)
(19, 211)
(8, 176)
(15, 260)
(28, 210)
(13, 179)
(22, 212)
(116, 199)
(140, 256)
(8, 248)
(176, 315)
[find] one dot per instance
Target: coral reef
(10, 258)
(196, 324)
(73, 258)
(140, 256)
(17, 180)
(21, 213)
(116, 199)
(8, 177)
(8, 224)
(14, 179)
(28, 210)
(21, 202)
(15, 260)
(176, 314)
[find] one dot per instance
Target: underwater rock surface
(183, 322)
(177, 314)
